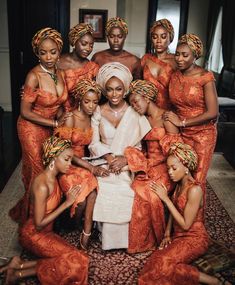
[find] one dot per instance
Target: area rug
(117, 267)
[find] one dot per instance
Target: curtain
(214, 8)
(228, 32)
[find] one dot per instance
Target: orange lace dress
(170, 266)
(77, 175)
(187, 96)
(161, 81)
(60, 263)
(72, 76)
(147, 224)
(32, 136)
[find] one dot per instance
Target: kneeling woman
(170, 264)
(61, 262)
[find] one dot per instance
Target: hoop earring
(52, 165)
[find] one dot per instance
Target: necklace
(118, 111)
(53, 76)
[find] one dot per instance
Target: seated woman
(115, 127)
(189, 239)
(60, 263)
(77, 128)
(147, 222)
(75, 64)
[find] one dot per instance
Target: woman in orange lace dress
(147, 221)
(170, 263)
(78, 129)
(60, 262)
(44, 92)
(76, 64)
(158, 66)
(193, 94)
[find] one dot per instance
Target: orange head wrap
(116, 22)
(145, 88)
(46, 33)
(166, 24)
(186, 154)
(83, 86)
(79, 31)
(52, 147)
(194, 43)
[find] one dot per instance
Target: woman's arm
(194, 199)
(211, 112)
(40, 194)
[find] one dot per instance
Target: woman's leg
(90, 202)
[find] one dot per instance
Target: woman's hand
(100, 171)
(160, 190)
(173, 118)
(117, 164)
(165, 242)
(72, 195)
(63, 118)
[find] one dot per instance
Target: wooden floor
(11, 152)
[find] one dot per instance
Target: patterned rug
(117, 267)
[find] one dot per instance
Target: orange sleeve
(136, 160)
(28, 94)
(63, 132)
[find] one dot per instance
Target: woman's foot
(84, 240)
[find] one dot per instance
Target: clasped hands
(115, 165)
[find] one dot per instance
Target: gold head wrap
(83, 86)
(186, 154)
(116, 22)
(52, 147)
(114, 69)
(79, 31)
(194, 43)
(166, 24)
(46, 33)
(145, 88)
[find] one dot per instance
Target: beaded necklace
(53, 76)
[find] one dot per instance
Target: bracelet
(183, 123)
(85, 234)
(55, 124)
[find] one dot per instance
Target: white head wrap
(116, 69)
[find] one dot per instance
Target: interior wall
(5, 93)
(134, 11)
(197, 21)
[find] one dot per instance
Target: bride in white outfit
(115, 126)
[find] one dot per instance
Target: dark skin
(116, 40)
(160, 41)
(185, 60)
(42, 188)
(78, 57)
(48, 53)
(114, 92)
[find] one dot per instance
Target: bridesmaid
(77, 128)
(44, 92)
(147, 224)
(75, 64)
(189, 240)
(60, 262)
(159, 65)
(193, 94)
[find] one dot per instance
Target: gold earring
(186, 171)
(79, 107)
(51, 165)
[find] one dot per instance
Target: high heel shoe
(80, 239)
